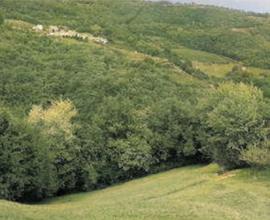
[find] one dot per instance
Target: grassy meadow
(194, 192)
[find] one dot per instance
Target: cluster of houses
(57, 31)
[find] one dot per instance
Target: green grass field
(188, 193)
(221, 69)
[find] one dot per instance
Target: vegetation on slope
(155, 29)
(113, 95)
(103, 114)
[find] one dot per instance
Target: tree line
(48, 153)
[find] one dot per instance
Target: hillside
(98, 92)
(152, 27)
(188, 193)
(207, 35)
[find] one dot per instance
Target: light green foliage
(257, 155)
(96, 30)
(55, 120)
(234, 120)
(56, 124)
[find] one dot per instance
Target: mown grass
(189, 193)
(201, 56)
(221, 69)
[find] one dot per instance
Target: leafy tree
(132, 154)
(26, 167)
(234, 120)
(56, 120)
(122, 134)
(175, 131)
(55, 123)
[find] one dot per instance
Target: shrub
(257, 155)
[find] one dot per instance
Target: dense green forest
(76, 115)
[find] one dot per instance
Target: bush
(257, 155)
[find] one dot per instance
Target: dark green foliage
(124, 137)
(25, 161)
(175, 130)
(1, 19)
